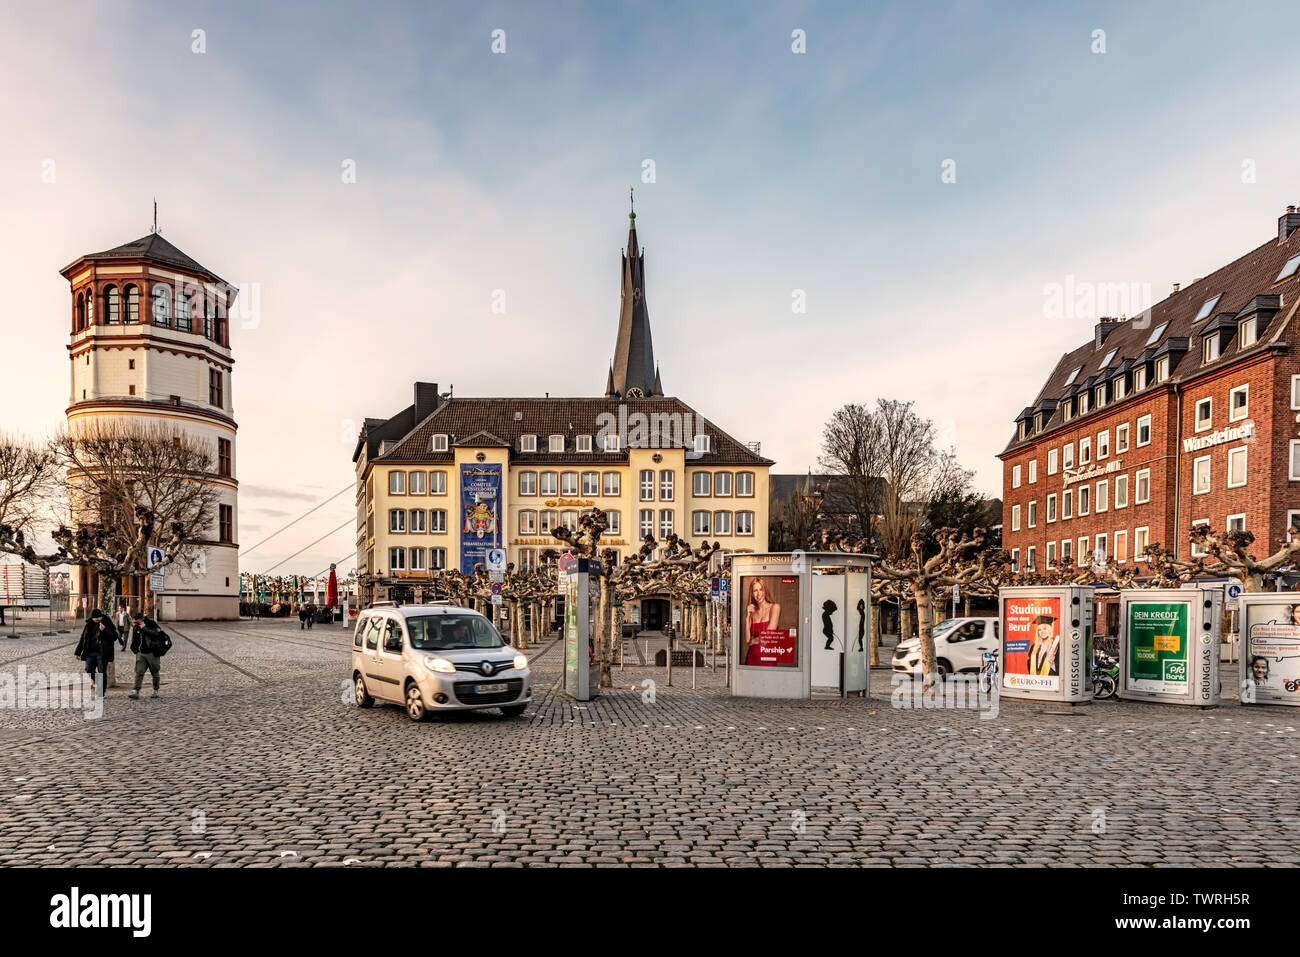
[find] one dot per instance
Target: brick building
(1186, 415)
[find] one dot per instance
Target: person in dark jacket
(148, 643)
(96, 646)
(309, 613)
(302, 617)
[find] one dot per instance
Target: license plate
(489, 689)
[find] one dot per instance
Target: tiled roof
(155, 248)
(1243, 285)
(505, 420)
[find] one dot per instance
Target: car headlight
(521, 662)
(440, 664)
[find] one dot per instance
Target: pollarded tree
(960, 560)
(101, 549)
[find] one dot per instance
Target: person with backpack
(149, 643)
(96, 646)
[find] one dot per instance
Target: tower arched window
(219, 324)
(81, 312)
(162, 306)
(207, 313)
(182, 310)
(133, 303)
(90, 306)
(112, 304)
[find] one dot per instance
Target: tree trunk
(925, 629)
(606, 640)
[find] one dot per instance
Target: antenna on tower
(155, 215)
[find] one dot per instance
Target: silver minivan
(436, 658)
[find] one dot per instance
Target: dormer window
(584, 443)
(1024, 430)
(1099, 396)
(1207, 307)
(527, 443)
(1038, 422)
(557, 443)
(1139, 378)
(1120, 388)
(1083, 402)
(611, 443)
(701, 444)
(439, 443)
(1247, 333)
(1162, 368)
(1211, 349)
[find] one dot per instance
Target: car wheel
(514, 710)
(363, 696)
(415, 709)
(944, 669)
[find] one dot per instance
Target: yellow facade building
(448, 477)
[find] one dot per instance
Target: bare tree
(851, 449)
(29, 476)
(888, 459)
(130, 486)
(116, 467)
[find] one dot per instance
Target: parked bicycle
(1105, 675)
(989, 671)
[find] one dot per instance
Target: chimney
(1287, 223)
(1105, 326)
(426, 400)
(1177, 286)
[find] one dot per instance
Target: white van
(959, 645)
(436, 658)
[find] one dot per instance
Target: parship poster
(1157, 647)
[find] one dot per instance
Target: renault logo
(486, 667)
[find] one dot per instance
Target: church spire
(634, 372)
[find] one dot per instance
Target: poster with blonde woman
(769, 636)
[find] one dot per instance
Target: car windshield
(448, 632)
(945, 626)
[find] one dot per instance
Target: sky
(920, 177)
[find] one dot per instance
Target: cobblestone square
(254, 756)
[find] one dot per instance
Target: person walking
(149, 643)
(123, 624)
(311, 615)
(96, 647)
(302, 617)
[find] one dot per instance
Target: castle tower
(151, 344)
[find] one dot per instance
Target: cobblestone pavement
(252, 758)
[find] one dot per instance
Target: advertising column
(581, 661)
(1270, 650)
(1169, 645)
(1046, 635)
